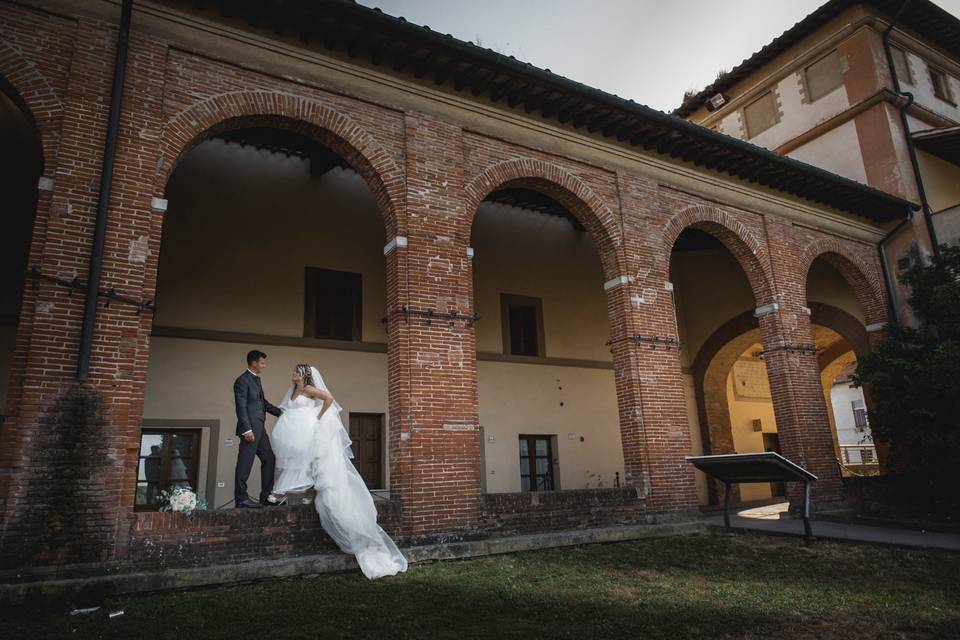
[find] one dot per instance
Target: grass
(745, 586)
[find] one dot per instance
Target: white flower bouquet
(181, 499)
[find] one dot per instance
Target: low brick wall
(169, 540)
(161, 540)
(529, 512)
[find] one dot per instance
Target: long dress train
(346, 508)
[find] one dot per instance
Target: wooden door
(366, 431)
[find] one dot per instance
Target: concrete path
(767, 518)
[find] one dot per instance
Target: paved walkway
(767, 518)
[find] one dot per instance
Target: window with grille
(823, 76)
(761, 114)
(168, 457)
(536, 463)
(333, 305)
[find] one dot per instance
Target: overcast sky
(650, 51)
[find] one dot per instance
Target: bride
(313, 450)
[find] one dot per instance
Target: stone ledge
(91, 590)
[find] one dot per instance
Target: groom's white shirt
(249, 430)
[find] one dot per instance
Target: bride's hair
(304, 371)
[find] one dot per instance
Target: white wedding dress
(316, 453)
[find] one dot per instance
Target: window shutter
(823, 76)
(761, 114)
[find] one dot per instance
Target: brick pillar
(436, 469)
(71, 475)
(794, 373)
(37, 528)
(654, 429)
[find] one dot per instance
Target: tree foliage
(913, 376)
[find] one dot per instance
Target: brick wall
(429, 174)
(162, 540)
(518, 513)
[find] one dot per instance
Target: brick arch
(859, 274)
(311, 118)
(716, 356)
(736, 237)
(852, 331)
(561, 185)
(34, 94)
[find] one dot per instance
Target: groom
(252, 408)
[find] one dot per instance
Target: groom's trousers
(260, 448)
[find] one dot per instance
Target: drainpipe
(906, 129)
(887, 277)
(106, 180)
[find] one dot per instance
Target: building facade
(533, 300)
(867, 90)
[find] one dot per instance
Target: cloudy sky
(650, 51)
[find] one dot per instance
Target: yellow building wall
(743, 411)
(941, 180)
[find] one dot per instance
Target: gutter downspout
(887, 277)
(106, 181)
(925, 206)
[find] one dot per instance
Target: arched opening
(21, 165)
(729, 401)
(547, 392)
(272, 240)
(837, 319)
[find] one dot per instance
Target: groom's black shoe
(246, 502)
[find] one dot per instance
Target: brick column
(654, 429)
(435, 472)
(74, 447)
(794, 373)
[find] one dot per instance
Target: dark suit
(252, 410)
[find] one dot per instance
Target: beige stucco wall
(709, 288)
(742, 414)
(567, 402)
(921, 86)
(525, 253)
(837, 150)
(798, 115)
(825, 284)
(941, 180)
(947, 225)
(696, 438)
(233, 257)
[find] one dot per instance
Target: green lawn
(746, 586)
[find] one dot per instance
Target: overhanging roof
(922, 16)
(393, 44)
(943, 143)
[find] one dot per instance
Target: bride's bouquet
(181, 499)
